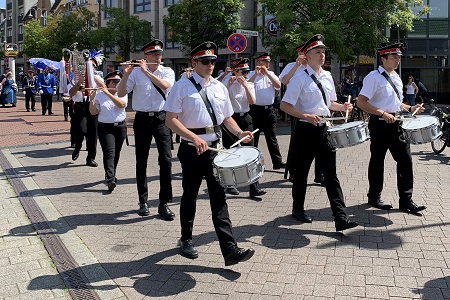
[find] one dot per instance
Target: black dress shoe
(188, 250)
(412, 207)
(301, 216)
(143, 209)
(343, 224)
(278, 166)
(255, 193)
(75, 154)
(232, 191)
(111, 186)
(378, 203)
(50, 113)
(28, 110)
(91, 163)
(165, 212)
(320, 180)
(43, 113)
(238, 255)
(33, 109)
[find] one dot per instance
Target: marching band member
(29, 90)
(150, 83)
(303, 99)
(46, 84)
(382, 96)
(263, 113)
(242, 95)
(196, 107)
(112, 128)
(84, 123)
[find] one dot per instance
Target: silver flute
(136, 63)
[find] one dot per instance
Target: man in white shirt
(263, 113)
(150, 83)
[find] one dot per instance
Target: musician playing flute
(382, 97)
(309, 97)
(150, 83)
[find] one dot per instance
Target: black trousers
(194, 168)
(266, 120)
(310, 142)
(29, 97)
(46, 103)
(244, 122)
(383, 137)
(85, 126)
(145, 128)
(292, 155)
(111, 140)
(68, 109)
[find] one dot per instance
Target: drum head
(246, 155)
(346, 126)
(419, 122)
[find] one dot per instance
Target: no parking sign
(237, 43)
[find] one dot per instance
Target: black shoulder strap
(385, 75)
(205, 100)
(319, 85)
(159, 90)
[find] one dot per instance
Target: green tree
(191, 22)
(60, 32)
(350, 27)
(127, 32)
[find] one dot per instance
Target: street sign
(272, 27)
(6, 61)
(237, 43)
(247, 32)
(11, 50)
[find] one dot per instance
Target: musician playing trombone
(150, 83)
(309, 97)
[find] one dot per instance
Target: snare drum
(349, 134)
(238, 171)
(421, 130)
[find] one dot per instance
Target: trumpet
(136, 63)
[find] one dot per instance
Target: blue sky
(2, 3)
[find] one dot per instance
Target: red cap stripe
(389, 51)
(203, 53)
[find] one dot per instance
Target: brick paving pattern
(392, 255)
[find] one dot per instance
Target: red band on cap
(263, 57)
(390, 51)
(112, 77)
(313, 45)
(240, 66)
(208, 52)
(152, 48)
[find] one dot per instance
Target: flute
(136, 63)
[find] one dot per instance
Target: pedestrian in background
(29, 90)
(9, 89)
(411, 91)
(46, 85)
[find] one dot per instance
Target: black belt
(206, 130)
(240, 114)
(111, 124)
(210, 144)
(261, 106)
(150, 113)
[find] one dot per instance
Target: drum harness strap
(208, 108)
(385, 75)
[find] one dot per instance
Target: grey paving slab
(392, 255)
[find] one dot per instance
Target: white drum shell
(238, 171)
(347, 135)
(421, 130)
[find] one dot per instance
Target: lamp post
(99, 15)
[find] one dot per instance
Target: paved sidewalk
(392, 255)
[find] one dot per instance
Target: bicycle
(443, 141)
(356, 114)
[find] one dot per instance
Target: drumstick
(333, 118)
(346, 113)
(237, 143)
(218, 150)
(401, 119)
(417, 109)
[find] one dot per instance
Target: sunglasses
(205, 62)
(244, 71)
(114, 80)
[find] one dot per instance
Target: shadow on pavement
(435, 289)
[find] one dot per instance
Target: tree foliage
(350, 27)
(192, 22)
(60, 32)
(127, 32)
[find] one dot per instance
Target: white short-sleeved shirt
(264, 89)
(78, 97)
(380, 92)
(145, 96)
(108, 111)
(226, 78)
(185, 100)
(304, 94)
(289, 67)
(238, 96)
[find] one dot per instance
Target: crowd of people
(209, 114)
